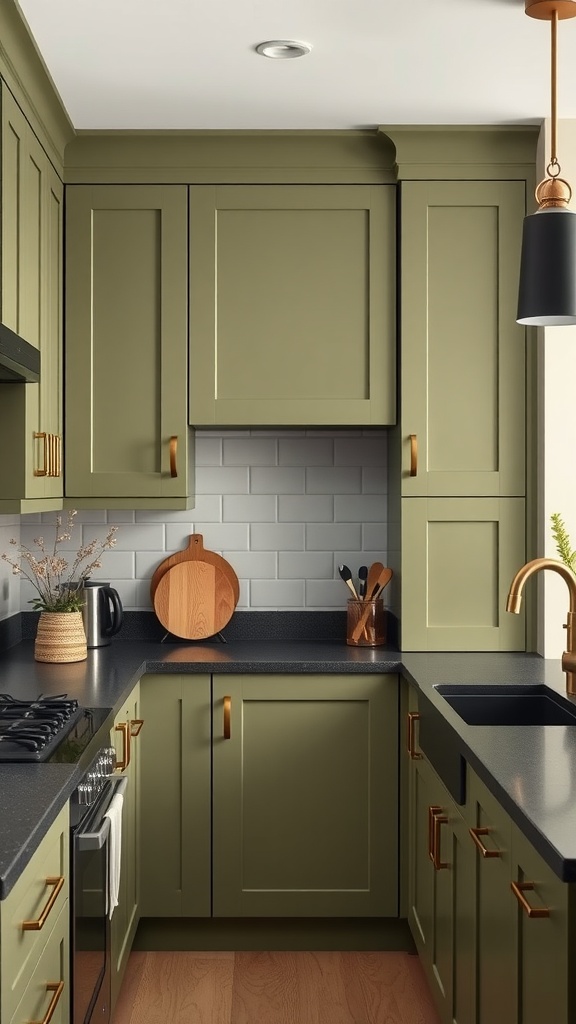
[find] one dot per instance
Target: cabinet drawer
(29, 900)
(50, 982)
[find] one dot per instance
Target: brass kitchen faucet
(514, 603)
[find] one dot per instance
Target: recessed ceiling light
(283, 49)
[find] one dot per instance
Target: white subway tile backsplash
(208, 450)
(305, 565)
(252, 451)
(275, 536)
(250, 508)
(277, 594)
(333, 536)
(334, 480)
(280, 480)
(374, 480)
(222, 480)
(359, 508)
(307, 508)
(305, 451)
(177, 536)
(285, 507)
(360, 451)
(375, 537)
(217, 536)
(326, 594)
(253, 565)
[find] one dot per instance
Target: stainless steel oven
(90, 938)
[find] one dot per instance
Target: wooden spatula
(375, 585)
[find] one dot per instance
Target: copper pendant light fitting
(544, 9)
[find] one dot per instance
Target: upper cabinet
(128, 440)
(31, 306)
(463, 354)
(292, 305)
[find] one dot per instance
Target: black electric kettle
(102, 613)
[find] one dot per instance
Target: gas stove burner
(45, 729)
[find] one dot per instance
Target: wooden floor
(274, 988)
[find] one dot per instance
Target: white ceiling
(186, 64)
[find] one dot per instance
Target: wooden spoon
(372, 580)
(378, 582)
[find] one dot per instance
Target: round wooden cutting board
(195, 552)
(194, 600)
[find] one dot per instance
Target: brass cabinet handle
(413, 717)
(35, 926)
(476, 833)
(413, 454)
(227, 714)
(432, 812)
(173, 454)
(136, 726)
(57, 987)
(124, 728)
(437, 821)
(51, 454)
(41, 436)
(519, 888)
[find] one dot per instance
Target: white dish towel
(114, 812)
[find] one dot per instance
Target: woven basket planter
(60, 637)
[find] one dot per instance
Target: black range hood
(19, 360)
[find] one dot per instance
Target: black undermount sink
(508, 705)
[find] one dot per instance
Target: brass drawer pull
(437, 821)
(227, 714)
(136, 726)
(432, 812)
(519, 888)
(413, 717)
(35, 926)
(173, 454)
(42, 437)
(124, 728)
(57, 987)
(476, 833)
(413, 455)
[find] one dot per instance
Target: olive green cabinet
(128, 440)
(176, 811)
(460, 448)
(459, 556)
(31, 306)
(525, 922)
(125, 737)
(292, 305)
(35, 934)
(305, 796)
(440, 907)
(492, 923)
(302, 820)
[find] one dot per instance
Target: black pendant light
(547, 292)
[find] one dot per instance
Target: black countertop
(529, 769)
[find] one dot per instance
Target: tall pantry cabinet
(459, 483)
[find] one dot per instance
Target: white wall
(284, 508)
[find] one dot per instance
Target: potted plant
(59, 585)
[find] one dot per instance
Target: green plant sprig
(562, 539)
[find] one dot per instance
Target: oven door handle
(96, 840)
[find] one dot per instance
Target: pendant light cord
(553, 168)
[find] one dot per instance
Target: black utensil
(362, 576)
(346, 575)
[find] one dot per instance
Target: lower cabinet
(270, 795)
(127, 726)
(35, 935)
(491, 921)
